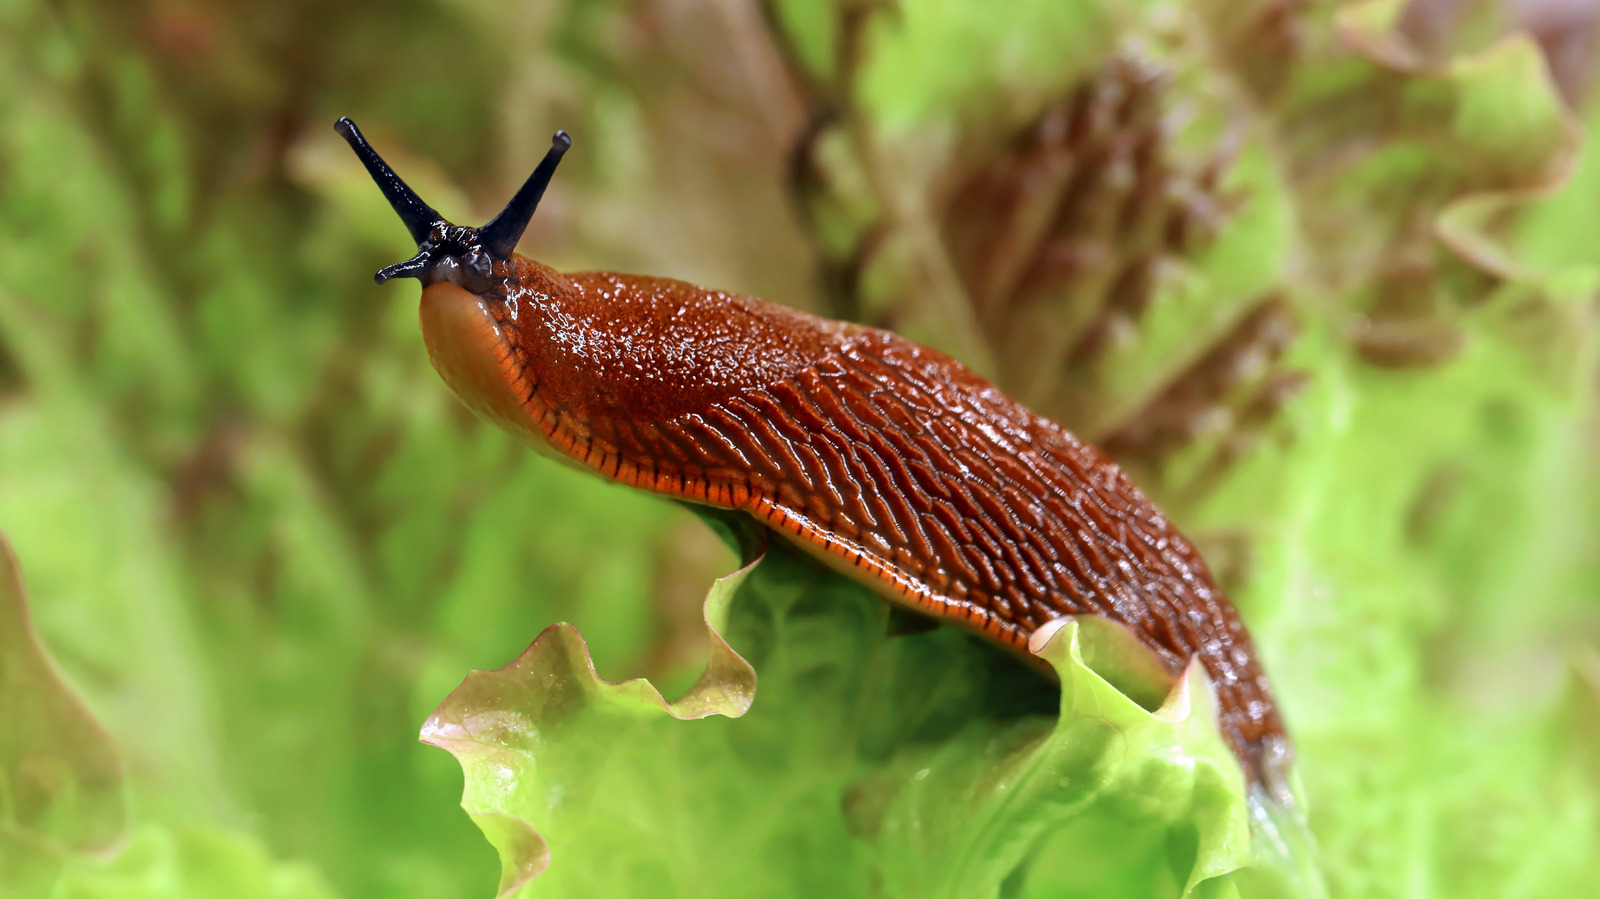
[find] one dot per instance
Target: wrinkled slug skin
(891, 461)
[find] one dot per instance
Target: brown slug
(893, 463)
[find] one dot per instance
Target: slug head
(516, 340)
(477, 259)
(471, 286)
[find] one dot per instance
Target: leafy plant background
(1322, 275)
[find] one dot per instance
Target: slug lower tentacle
(892, 462)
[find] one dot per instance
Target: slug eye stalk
(448, 252)
(500, 236)
(419, 217)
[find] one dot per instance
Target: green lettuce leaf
(61, 779)
(160, 863)
(915, 766)
(498, 740)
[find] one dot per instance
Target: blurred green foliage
(260, 539)
(1320, 288)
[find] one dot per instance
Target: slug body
(893, 463)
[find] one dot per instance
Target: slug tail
(1288, 863)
